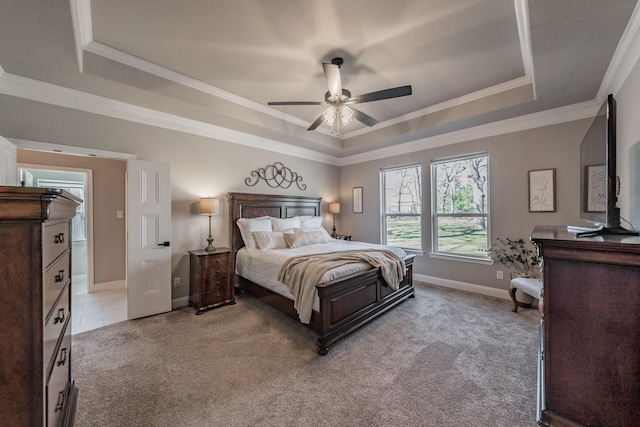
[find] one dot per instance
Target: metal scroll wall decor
(276, 175)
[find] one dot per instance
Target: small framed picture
(357, 199)
(542, 190)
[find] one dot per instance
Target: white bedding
(263, 266)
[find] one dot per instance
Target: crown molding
(48, 93)
(624, 59)
(69, 149)
(544, 118)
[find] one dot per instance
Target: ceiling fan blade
(332, 74)
(383, 94)
(364, 118)
(317, 123)
(295, 103)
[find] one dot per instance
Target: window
(402, 207)
(461, 205)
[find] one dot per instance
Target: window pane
(462, 235)
(403, 191)
(404, 231)
(402, 194)
(461, 185)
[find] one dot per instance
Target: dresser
(36, 388)
(211, 278)
(590, 335)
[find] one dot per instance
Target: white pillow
(248, 225)
(266, 240)
(308, 223)
(305, 238)
(285, 224)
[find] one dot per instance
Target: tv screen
(598, 169)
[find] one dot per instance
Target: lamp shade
(209, 206)
(334, 208)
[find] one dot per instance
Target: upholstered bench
(528, 285)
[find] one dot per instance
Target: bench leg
(516, 303)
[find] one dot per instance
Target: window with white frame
(459, 188)
(402, 206)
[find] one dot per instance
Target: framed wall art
(596, 188)
(357, 199)
(542, 190)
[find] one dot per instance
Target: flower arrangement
(515, 254)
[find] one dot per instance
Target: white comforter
(263, 267)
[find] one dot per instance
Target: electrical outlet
(176, 282)
(499, 275)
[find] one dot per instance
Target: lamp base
(334, 234)
(210, 247)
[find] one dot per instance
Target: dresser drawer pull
(60, 317)
(58, 238)
(63, 357)
(60, 276)
(61, 399)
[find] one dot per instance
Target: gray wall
(511, 156)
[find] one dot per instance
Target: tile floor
(96, 309)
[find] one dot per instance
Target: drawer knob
(58, 238)
(60, 404)
(60, 317)
(60, 276)
(63, 357)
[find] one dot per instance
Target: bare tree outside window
(461, 213)
(402, 207)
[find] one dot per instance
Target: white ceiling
(469, 62)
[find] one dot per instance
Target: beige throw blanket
(302, 273)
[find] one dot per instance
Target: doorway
(92, 308)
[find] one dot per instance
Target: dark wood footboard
(345, 304)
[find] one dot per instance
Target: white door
(148, 237)
(8, 169)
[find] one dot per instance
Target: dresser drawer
(55, 278)
(55, 240)
(58, 384)
(55, 324)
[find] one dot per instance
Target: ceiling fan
(340, 102)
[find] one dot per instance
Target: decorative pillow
(266, 240)
(285, 224)
(248, 225)
(305, 238)
(308, 223)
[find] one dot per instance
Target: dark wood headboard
(248, 205)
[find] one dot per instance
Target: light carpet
(443, 358)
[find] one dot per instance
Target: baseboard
(107, 286)
(463, 286)
(179, 302)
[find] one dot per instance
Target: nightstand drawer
(211, 283)
(220, 296)
(218, 261)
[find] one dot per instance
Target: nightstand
(343, 237)
(211, 279)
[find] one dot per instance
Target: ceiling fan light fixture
(346, 115)
(329, 115)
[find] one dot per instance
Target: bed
(343, 304)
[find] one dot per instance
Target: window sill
(463, 258)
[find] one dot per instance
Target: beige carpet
(444, 358)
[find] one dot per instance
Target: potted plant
(514, 253)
